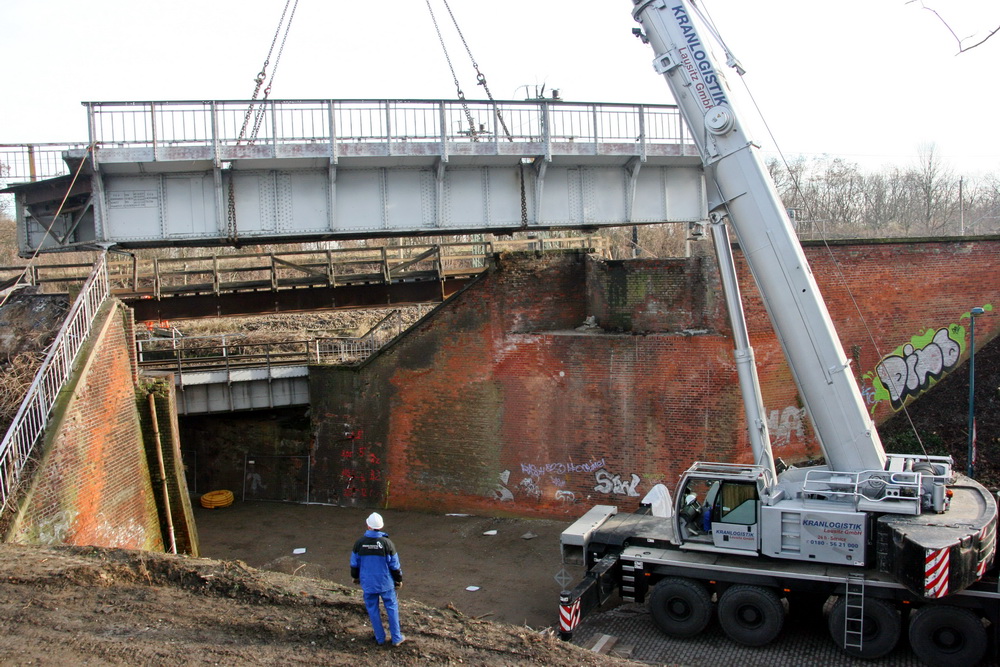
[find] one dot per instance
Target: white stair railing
(33, 415)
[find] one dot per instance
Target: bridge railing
(349, 350)
(225, 352)
(228, 352)
(32, 417)
(228, 123)
(215, 273)
(32, 162)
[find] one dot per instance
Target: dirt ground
(83, 605)
(441, 555)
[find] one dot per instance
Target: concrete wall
(91, 485)
(497, 403)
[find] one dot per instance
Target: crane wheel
(880, 628)
(680, 607)
(214, 499)
(751, 615)
(942, 635)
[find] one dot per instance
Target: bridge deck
(189, 173)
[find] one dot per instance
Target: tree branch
(958, 40)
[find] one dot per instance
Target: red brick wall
(92, 483)
(880, 295)
(496, 403)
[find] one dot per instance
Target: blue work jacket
(375, 563)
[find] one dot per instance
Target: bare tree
(935, 193)
(981, 209)
(962, 47)
(835, 198)
(886, 200)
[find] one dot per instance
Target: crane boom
(740, 186)
(878, 531)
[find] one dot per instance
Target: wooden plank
(603, 644)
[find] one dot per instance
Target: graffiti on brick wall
(540, 470)
(540, 478)
(55, 529)
(914, 367)
(500, 491)
(128, 534)
(361, 471)
(567, 497)
(786, 425)
(615, 485)
(360, 464)
(529, 487)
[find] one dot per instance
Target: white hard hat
(375, 521)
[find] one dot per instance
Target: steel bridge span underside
(180, 173)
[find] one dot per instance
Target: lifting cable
(256, 109)
(481, 81)
(734, 63)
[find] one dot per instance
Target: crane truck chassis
(893, 539)
(641, 557)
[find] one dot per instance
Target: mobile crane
(879, 533)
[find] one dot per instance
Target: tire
(751, 615)
(947, 636)
(680, 607)
(880, 632)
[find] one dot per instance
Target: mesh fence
(276, 478)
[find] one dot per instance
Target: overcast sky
(872, 81)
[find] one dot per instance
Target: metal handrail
(328, 350)
(33, 162)
(32, 417)
(355, 350)
(874, 486)
(217, 123)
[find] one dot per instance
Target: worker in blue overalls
(375, 565)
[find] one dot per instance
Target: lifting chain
(458, 86)
(481, 80)
(259, 114)
(480, 77)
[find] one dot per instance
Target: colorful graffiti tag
(915, 367)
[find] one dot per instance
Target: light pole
(970, 468)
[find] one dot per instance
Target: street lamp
(970, 468)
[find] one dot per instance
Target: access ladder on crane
(854, 612)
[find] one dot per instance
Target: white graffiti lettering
(914, 371)
(536, 471)
(565, 496)
(613, 484)
(529, 488)
(786, 424)
(500, 492)
(868, 393)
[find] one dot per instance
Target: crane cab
(718, 507)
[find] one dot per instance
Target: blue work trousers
(391, 610)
